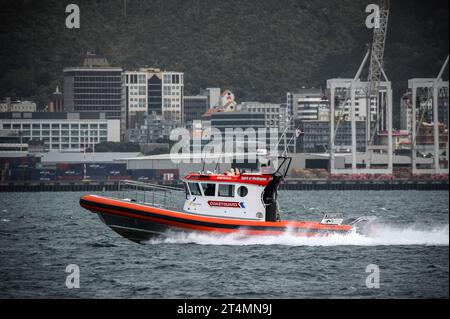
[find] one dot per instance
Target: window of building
(195, 189)
(167, 78)
(226, 190)
(141, 78)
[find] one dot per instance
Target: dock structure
(301, 185)
(340, 90)
(428, 90)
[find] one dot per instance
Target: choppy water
(41, 233)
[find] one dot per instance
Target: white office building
(314, 105)
(17, 106)
(150, 90)
(275, 114)
(307, 104)
(62, 131)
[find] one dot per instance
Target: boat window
(226, 190)
(242, 191)
(209, 189)
(186, 188)
(195, 189)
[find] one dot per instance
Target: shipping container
(115, 165)
(142, 175)
(43, 175)
(70, 177)
(96, 171)
(62, 166)
(19, 162)
(19, 174)
(116, 169)
(118, 177)
(69, 172)
(159, 173)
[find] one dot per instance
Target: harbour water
(42, 233)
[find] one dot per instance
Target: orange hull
(141, 222)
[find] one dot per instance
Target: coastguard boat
(231, 202)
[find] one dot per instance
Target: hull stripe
(195, 224)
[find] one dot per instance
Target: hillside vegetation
(259, 49)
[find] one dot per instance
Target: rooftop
(76, 157)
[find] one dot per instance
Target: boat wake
(382, 235)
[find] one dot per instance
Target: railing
(150, 194)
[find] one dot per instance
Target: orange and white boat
(231, 202)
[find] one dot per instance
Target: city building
(227, 101)
(150, 90)
(275, 114)
(400, 139)
(423, 113)
(406, 112)
(314, 105)
(62, 131)
(213, 95)
(11, 141)
(194, 107)
(306, 104)
(56, 103)
(232, 120)
(93, 87)
(156, 129)
(361, 101)
(425, 134)
(17, 106)
(134, 100)
(315, 137)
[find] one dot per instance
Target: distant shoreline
(79, 186)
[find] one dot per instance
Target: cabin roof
(252, 179)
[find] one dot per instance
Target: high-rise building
(305, 104)
(406, 113)
(93, 87)
(194, 107)
(150, 90)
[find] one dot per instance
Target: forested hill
(260, 49)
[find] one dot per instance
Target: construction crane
(376, 66)
(375, 73)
